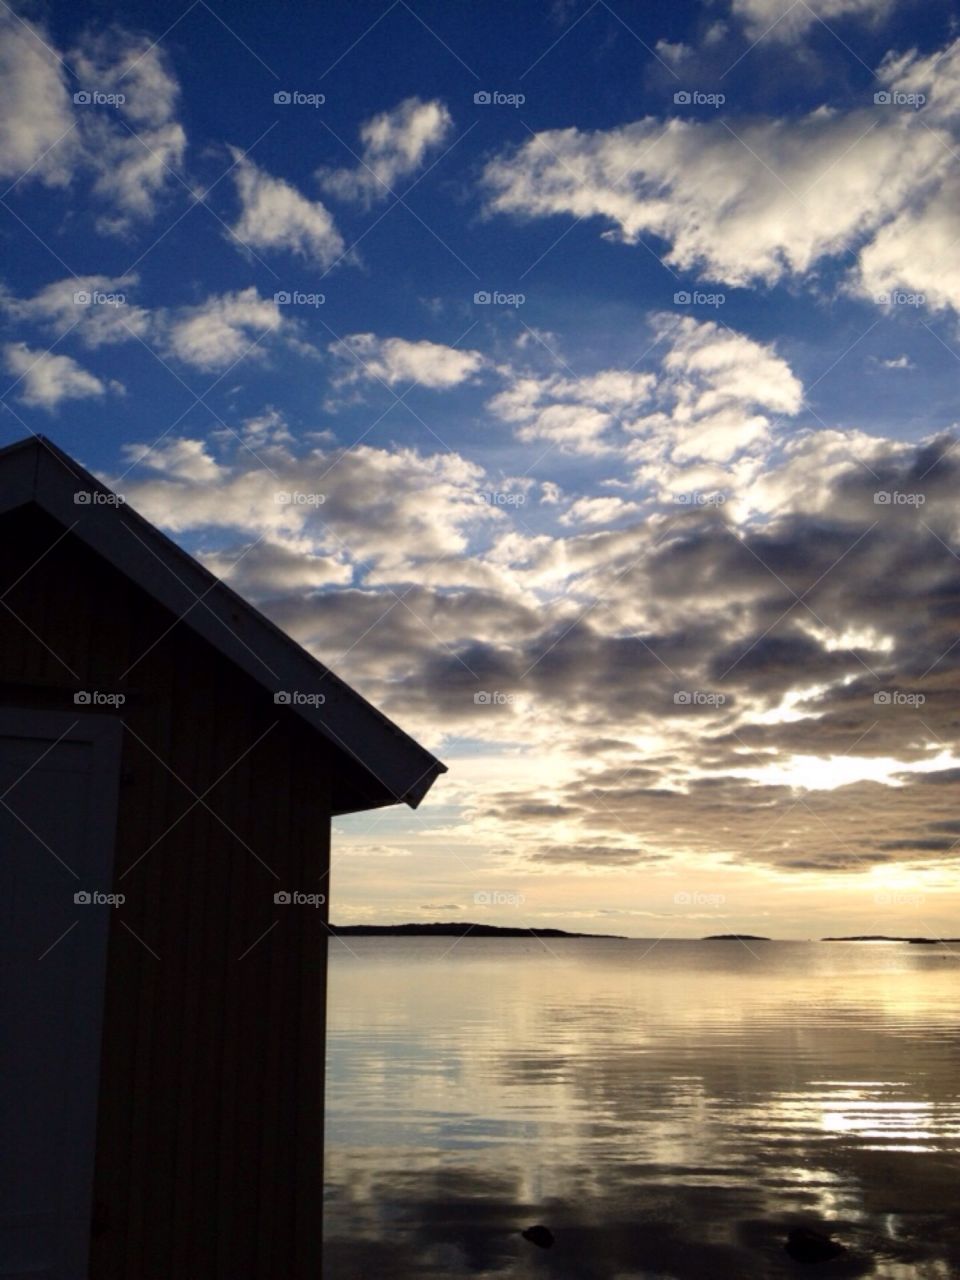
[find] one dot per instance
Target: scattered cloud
(37, 122)
(45, 380)
(746, 201)
(596, 511)
(100, 311)
(578, 414)
(788, 19)
(116, 123)
(228, 327)
(674, 52)
(136, 147)
(395, 144)
(396, 360)
(98, 308)
(710, 399)
(274, 215)
(707, 683)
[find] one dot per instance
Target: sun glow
(816, 773)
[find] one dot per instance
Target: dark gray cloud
(758, 690)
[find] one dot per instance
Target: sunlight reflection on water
(667, 1111)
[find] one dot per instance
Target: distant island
(463, 929)
(456, 929)
(735, 937)
(883, 937)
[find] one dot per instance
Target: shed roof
(393, 766)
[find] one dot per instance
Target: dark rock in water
(804, 1244)
(541, 1236)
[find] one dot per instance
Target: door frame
(104, 735)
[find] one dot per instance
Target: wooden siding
(209, 1152)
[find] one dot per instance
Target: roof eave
(37, 471)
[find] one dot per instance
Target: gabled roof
(396, 767)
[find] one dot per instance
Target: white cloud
(394, 360)
(395, 145)
(914, 251)
(269, 570)
(718, 392)
(97, 307)
(579, 428)
(914, 254)
(594, 511)
(133, 173)
(35, 106)
(575, 413)
(275, 215)
(744, 201)
(178, 457)
(385, 509)
(756, 200)
(132, 148)
(220, 331)
(787, 19)
(134, 166)
(45, 379)
(804, 477)
(709, 401)
(710, 368)
(935, 76)
(674, 53)
(210, 335)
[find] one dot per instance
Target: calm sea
(667, 1109)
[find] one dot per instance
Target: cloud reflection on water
(668, 1113)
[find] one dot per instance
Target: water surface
(667, 1109)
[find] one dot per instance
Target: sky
(579, 382)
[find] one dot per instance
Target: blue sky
(720, 245)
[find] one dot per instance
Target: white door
(58, 803)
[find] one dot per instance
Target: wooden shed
(169, 765)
